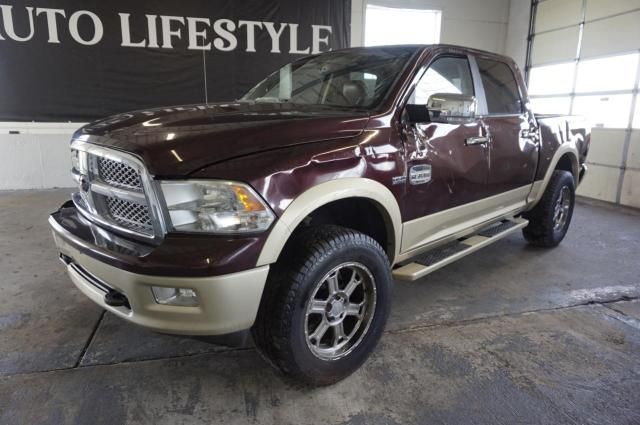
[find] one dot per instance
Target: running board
(431, 261)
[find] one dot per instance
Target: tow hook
(116, 299)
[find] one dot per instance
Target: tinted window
(445, 75)
(500, 87)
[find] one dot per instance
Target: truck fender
(323, 194)
(538, 187)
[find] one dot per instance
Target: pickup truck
(288, 214)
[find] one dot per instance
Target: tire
(550, 219)
(309, 267)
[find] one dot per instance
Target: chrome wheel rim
(340, 310)
(561, 209)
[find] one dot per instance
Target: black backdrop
(42, 80)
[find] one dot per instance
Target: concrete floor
(508, 335)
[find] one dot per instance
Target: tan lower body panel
(226, 303)
(425, 230)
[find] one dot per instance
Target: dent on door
(445, 171)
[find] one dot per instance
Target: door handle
(469, 141)
(527, 134)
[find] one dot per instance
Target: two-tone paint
(302, 158)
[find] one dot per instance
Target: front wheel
(325, 306)
(550, 219)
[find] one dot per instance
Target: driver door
(447, 161)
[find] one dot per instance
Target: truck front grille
(118, 174)
(113, 191)
(131, 215)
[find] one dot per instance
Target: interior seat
(354, 92)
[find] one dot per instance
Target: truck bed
(558, 129)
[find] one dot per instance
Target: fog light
(184, 297)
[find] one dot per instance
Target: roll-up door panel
(618, 34)
(553, 14)
(555, 46)
(601, 8)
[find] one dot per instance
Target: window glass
(551, 105)
(445, 75)
(385, 26)
(500, 87)
(612, 73)
(609, 111)
(367, 81)
(340, 79)
(636, 118)
(551, 79)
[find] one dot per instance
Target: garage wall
(585, 60)
(518, 31)
(35, 155)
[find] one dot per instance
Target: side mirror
(451, 108)
(418, 114)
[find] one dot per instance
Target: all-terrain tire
(546, 228)
(281, 330)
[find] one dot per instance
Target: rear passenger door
(513, 144)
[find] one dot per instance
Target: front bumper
(582, 173)
(226, 303)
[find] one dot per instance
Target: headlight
(211, 206)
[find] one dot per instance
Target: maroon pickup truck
(288, 213)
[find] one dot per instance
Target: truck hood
(177, 141)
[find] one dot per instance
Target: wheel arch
(326, 194)
(565, 158)
(569, 162)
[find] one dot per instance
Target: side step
(431, 261)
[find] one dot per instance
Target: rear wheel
(325, 306)
(550, 219)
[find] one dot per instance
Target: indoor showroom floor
(510, 334)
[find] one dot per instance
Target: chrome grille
(115, 191)
(118, 174)
(129, 214)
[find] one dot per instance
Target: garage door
(584, 58)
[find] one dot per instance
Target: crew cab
(290, 212)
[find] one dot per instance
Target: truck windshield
(357, 79)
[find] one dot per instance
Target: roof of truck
(424, 47)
